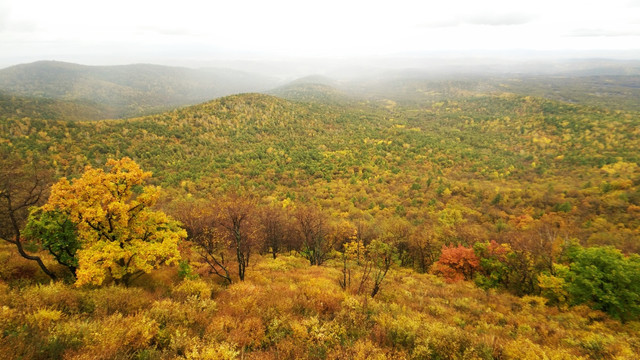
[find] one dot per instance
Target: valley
(452, 216)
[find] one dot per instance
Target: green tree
(57, 234)
(493, 270)
(606, 280)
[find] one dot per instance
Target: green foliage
(185, 271)
(56, 233)
(606, 280)
(494, 269)
(564, 207)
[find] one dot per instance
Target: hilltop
(314, 89)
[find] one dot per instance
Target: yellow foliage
(55, 295)
(553, 288)
(300, 312)
(7, 317)
(534, 302)
(117, 299)
(219, 351)
(282, 263)
(365, 349)
(524, 349)
(118, 337)
(121, 236)
(620, 168)
(198, 288)
(43, 318)
(321, 333)
(355, 250)
(242, 330)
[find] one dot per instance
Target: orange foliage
(457, 263)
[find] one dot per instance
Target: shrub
(117, 299)
(195, 287)
(56, 296)
(119, 336)
(217, 351)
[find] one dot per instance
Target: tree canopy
(121, 235)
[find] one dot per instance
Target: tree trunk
(37, 259)
(18, 243)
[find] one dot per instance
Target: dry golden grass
(289, 310)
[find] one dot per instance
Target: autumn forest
(404, 217)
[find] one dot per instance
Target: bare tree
(274, 230)
(236, 223)
(22, 185)
(313, 231)
(199, 219)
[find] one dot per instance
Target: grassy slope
(288, 310)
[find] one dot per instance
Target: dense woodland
(433, 219)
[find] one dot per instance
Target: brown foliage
(313, 234)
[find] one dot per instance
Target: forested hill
(15, 106)
(608, 90)
(490, 159)
(127, 90)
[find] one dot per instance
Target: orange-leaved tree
(457, 263)
(121, 235)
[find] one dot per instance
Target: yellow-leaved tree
(121, 236)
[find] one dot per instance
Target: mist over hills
(53, 89)
(127, 90)
(16, 106)
(315, 88)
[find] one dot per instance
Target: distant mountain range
(60, 90)
(127, 90)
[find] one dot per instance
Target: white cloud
(312, 28)
(501, 19)
(605, 32)
(493, 19)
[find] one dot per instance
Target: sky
(130, 31)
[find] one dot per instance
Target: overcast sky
(126, 31)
